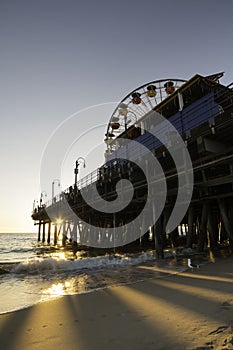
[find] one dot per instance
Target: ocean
(33, 272)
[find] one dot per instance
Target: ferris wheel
(138, 103)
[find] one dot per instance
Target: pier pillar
(74, 233)
(55, 234)
(43, 233)
(49, 231)
(226, 221)
(223, 232)
(68, 229)
(143, 229)
(212, 226)
(64, 234)
(157, 230)
(202, 237)
(39, 230)
(173, 236)
(81, 232)
(114, 231)
(191, 227)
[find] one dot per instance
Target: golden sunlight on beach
(182, 311)
(57, 289)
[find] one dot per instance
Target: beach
(186, 310)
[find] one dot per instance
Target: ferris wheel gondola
(137, 104)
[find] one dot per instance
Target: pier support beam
(43, 233)
(64, 234)
(68, 229)
(191, 227)
(223, 232)
(81, 232)
(212, 226)
(226, 221)
(39, 230)
(49, 231)
(75, 233)
(202, 238)
(173, 236)
(157, 230)
(55, 234)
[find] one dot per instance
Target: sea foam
(56, 264)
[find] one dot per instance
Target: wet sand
(188, 310)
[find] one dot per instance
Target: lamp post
(43, 194)
(53, 183)
(77, 163)
(35, 202)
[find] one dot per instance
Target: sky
(65, 64)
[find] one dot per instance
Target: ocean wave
(56, 264)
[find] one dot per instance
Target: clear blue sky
(59, 57)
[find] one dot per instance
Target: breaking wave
(55, 264)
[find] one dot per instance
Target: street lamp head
(76, 167)
(58, 182)
(82, 160)
(53, 183)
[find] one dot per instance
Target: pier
(201, 110)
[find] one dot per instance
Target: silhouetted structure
(201, 110)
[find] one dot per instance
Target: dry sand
(189, 310)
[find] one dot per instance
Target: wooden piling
(202, 237)
(43, 233)
(223, 232)
(39, 230)
(74, 232)
(191, 227)
(64, 234)
(226, 221)
(157, 230)
(49, 231)
(55, 234)
(212, 226)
